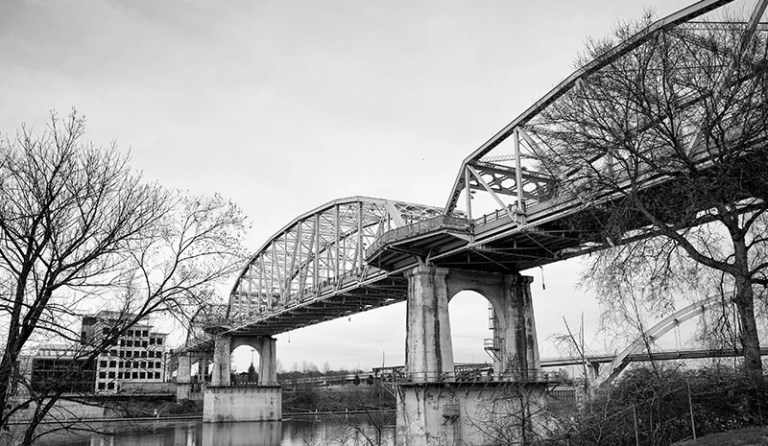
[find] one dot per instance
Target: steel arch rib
(325, 242)
(661, 328)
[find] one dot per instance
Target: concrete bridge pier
(516, 328)
(434, 406)
(184, 377)
(226, 401)
(429, 352)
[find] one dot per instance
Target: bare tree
(667, 144)
(80, 231)
(515, 413)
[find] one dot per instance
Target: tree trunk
(750, 342)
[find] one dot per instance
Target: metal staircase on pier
(492, 346)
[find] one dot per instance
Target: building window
(129, 343)
(142, 375)
(122, 353)
(136, 364)
(157, 375)
(159, 341)
(102, 374)
(111, 375)
(145, 333)
(128, 354)
(102, 363)
(110, 385)
(151, 365)
(113, 363)
(158, 365)
(119, 375)
(113, 352)
(101, 386)
(144, 344)
(151, 341)
(129, 333)
(122, 342)
(144, 354)
(135, 375)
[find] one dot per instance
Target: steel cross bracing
(348, 255)
(314, 268)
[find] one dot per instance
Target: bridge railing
(236, 383)
(422, 227)
(520, 376)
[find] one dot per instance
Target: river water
(319, 431)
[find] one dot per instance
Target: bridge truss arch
(315, 266)
(638, 346)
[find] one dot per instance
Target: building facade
(137, 357)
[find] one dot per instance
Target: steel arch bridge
(348, 255)
(314, 268)
(664, 326)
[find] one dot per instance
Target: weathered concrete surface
(222, 361)
(429, 352)
(184, 378)
(434, 409)
(468, 413)
(226, 404)
(515, 330)
(266, 347)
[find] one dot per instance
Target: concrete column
(221, 361)
(593, 371)
(268, 361)
(429, 352)
(202, 368)
(518, 331)
(184, 377)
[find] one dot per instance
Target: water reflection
(316, 431)
(265, 433)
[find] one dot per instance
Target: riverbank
(302, 403)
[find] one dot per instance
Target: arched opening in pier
(201, 369)
(471, 323)
(245, 363)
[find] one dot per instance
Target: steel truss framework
(314, 269)
(527, 174)
(347, 256)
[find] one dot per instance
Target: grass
(742, 437)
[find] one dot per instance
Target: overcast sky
(285, 105)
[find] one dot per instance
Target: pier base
(230, 403)
(466, 413)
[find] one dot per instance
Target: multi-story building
(137, 357)
(58, 366)
(136, 360)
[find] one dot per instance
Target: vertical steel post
(316, 272)
(360, 236)
(518, 176)
(337, 257)
(468, 190)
